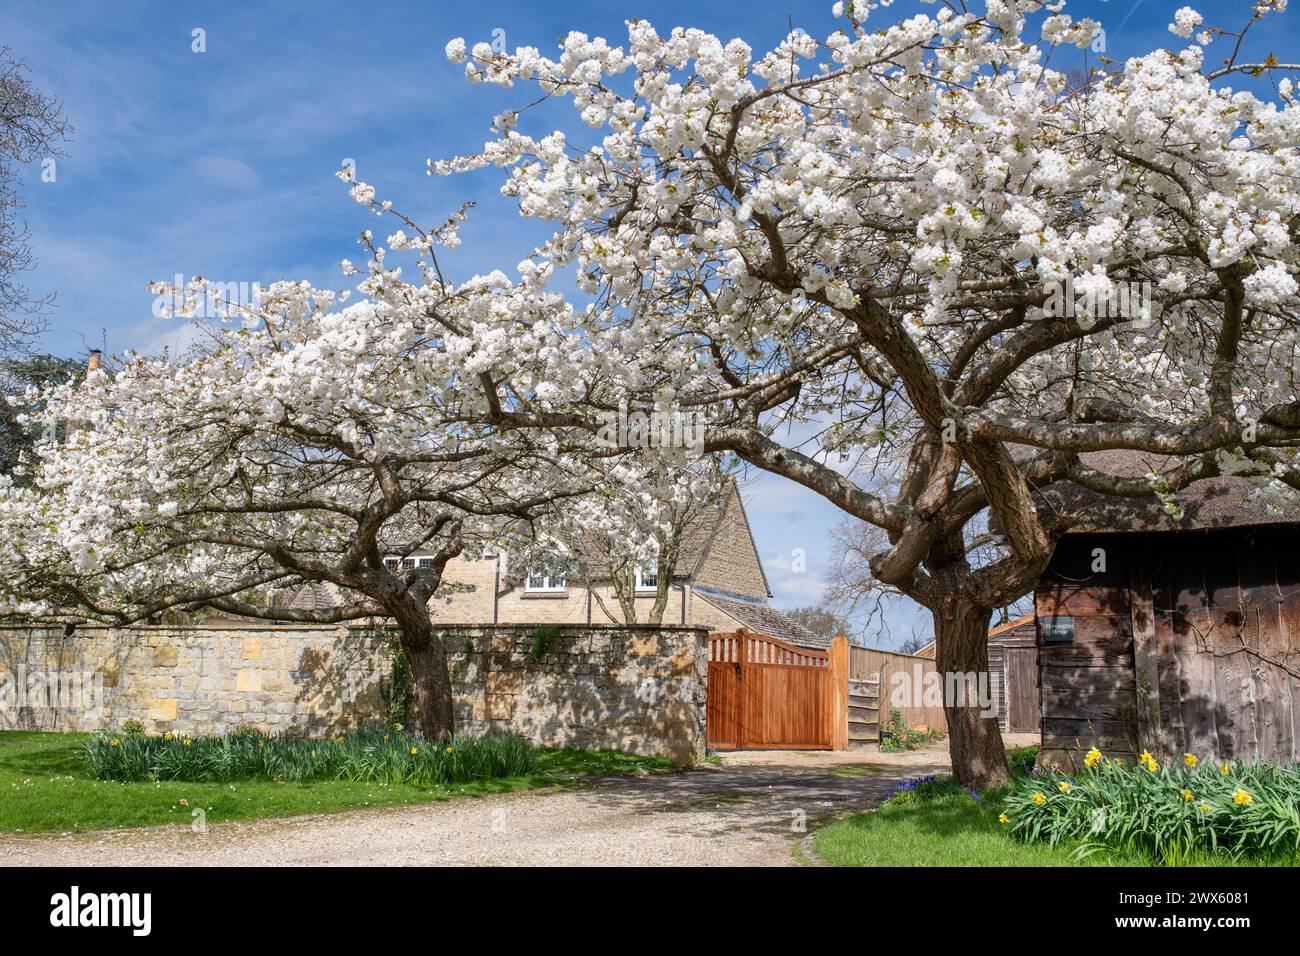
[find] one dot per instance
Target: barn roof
(1210, 503)
(1017, 629)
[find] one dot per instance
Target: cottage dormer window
(647, 580)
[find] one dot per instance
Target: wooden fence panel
(870, 663)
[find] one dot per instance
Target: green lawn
(949, 830)
(45, 786)
(946, 827)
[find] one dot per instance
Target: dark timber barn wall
(1186, 642)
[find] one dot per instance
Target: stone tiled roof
(765, 619)
(311, 597)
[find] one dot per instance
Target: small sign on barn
(1057, 630)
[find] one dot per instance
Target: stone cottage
(718, 584)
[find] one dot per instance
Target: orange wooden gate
(765, 693)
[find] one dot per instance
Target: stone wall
(639, 689)
(636, 689)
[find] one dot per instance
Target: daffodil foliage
(851, 251)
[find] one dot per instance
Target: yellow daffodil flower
(1187, 796)
(1242, 798)
(1226, 769)
(1205, 808)
(1093, 758)
(1190, 760)
(1039, 799)
(1064, 788)
(116, 742)
(414, 751)
(1003, 818)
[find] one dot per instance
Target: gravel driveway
(744, 813)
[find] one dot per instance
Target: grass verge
(45, 785)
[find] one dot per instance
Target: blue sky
(221, 163)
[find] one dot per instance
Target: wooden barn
(1174, 635)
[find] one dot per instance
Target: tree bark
(962, 656)
(427, 658)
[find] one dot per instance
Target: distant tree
(17, 375)
(32, 125)
(822, 619)
(912, 645)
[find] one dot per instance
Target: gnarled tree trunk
(962, 657)
(428, 661)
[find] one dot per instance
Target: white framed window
(406, 564)
(647, 579)
(545, 583)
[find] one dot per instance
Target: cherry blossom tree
(640, 522)
(919, 250)
(305, 445)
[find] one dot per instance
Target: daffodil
(1226, 769)
(448, 750)
(116, 742)
(1064, 788)
(1205, 808)
(1039, 799)
(1191, 760)
(414, 751)
(1093, 758)
(1242, 798)
(1003, 818)
(186, 742)
(1187, 796)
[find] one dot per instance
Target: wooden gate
(767, 694)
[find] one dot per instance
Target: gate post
(839, 710)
